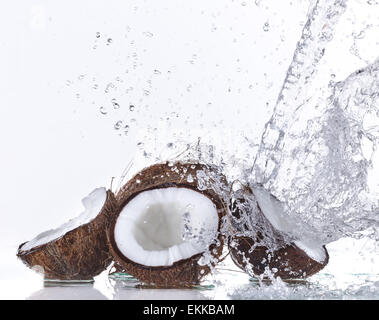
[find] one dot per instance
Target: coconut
(298, 258)
(166, 232)
(78, 249)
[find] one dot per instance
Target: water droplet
(266, 27)
(360, 35)
(189, 178)
(109, 41)
(156, 71)
(115, 104)
(118, 125)
(131, 108)
(103, 110)
(148, 34)
(126, 130)
(97, 34)
(243, 4)
(108, 87)
(186, 214)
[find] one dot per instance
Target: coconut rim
(303, 252)
(100, 214)
(220, 212)
(293, 243)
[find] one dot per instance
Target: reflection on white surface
(158, 294)
(87, 292)
(16, 280)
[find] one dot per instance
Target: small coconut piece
(78, 249)
(298, 259)
(167, 229)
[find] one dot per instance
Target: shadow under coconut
(78, 292)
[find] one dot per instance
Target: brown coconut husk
(286, 261)
(80, 254)
(186, 272)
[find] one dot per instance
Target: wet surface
(19, 282)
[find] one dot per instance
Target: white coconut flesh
(161, 226)
(274, 211)
(93, 204)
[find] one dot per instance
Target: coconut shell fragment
(185, 272)
(288, 262)
(283, 259)
(79, 254)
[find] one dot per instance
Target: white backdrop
(56, 146)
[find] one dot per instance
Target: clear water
(318, 150)
(317, 154)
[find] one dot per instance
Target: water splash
(323, 172)
(317, 32)
(316, 152)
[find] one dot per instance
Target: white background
(218, 76)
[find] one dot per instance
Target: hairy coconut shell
(287, 261)
(80, 254)
(186, 272)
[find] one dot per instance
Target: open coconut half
(298, 259)
(167, 229)
(78, 249)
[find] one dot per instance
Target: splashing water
(317, 32)
(327, 164)
(317, 153)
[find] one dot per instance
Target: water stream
(318, 150)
